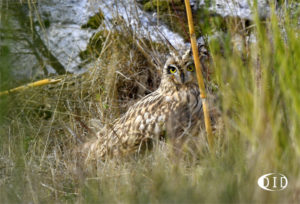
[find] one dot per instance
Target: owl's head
(180, 69)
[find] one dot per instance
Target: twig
(30, 85)
(55, 190)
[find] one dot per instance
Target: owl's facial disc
(181, 74)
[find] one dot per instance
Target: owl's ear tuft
(188, 53)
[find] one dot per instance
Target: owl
(169, 111)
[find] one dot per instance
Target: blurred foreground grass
(258, 96)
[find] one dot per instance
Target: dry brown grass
(258, 132)
(48, 124)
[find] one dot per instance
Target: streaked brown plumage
(171, 109)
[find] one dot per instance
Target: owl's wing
(135, 130)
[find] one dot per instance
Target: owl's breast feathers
(157, 114)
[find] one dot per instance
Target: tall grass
(258, 97)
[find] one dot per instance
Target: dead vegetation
(48, 124)
(69, 112)
(257, 130)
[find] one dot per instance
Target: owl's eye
(172, 69)
(190, 68)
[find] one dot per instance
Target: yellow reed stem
(199, 75)
(30, 85)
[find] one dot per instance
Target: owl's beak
(182, 77)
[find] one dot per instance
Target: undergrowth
(257, 90)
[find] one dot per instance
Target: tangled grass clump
(257, 91)
(46, 125)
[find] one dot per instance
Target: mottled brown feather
(170, 110)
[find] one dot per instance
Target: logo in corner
(272, 182)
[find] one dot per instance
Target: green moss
(47, 23)
(94, 46)
(207, 23)
(95, 21)
(172, 13)
(174, 16)
(4, 51)
(152, 5)
(83, 54)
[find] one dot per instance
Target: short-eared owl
(169, 111)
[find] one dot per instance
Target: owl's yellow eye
(190, 68)
(172, 69)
